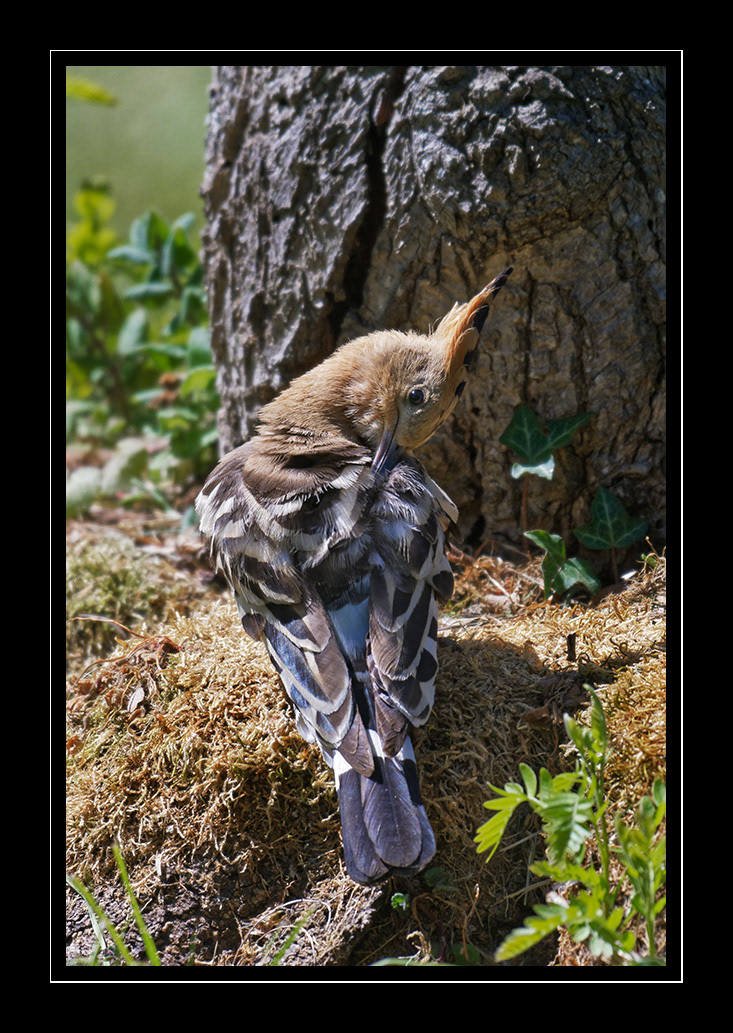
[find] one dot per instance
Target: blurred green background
(141, 396)
(149, 146)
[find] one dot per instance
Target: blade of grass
(150, 948)
(100, 913)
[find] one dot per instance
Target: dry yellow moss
(188, 757)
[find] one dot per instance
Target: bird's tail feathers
(384, 824)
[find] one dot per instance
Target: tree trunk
(341, 200)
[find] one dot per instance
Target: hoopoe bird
(331, 536)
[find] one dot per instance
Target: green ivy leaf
(560, 432)
(611, 526)
(560, 572)
(525, 436)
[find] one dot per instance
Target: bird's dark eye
(416, 396)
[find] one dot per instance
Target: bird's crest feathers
(458, 334)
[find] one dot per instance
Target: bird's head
(407, 384)
(388, 390)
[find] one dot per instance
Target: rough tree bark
(344, 199)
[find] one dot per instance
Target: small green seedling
(560, 572)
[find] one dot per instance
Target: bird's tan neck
(338, 401)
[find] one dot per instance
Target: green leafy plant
(535, 446)
(400, 901)
(101, 924)
(139, 373)
(611, 527)
(561, 573)
(572, 807)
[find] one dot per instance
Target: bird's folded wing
(260, 516)
(412, 575)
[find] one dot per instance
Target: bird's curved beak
(386, 448)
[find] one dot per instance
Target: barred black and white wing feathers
(385, 824)
(284, 542)
(410, 574)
